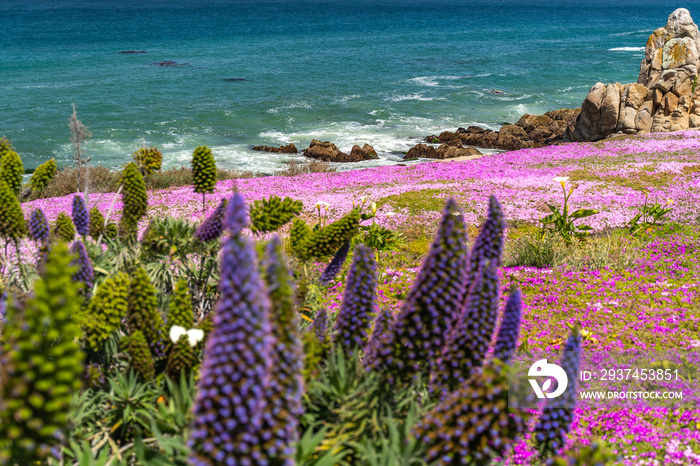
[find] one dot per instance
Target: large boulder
(450, 152)
(662, 99)
(366, 152)
(512, 137)
(421, 151)
(327, 152)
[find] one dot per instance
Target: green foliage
(141, 360)
(181, 358)
(203, 170)
(41, 365)
(106, 310)
(148, 160)
(180, 309)
(134, 199)
(168, 236)
(298, 235)
(96, 224)
(325, 241)
(5, 146)
(43, 175)
(11, 171)
(268, 215)
(143, 314)
(130, 406)
(63, 228)
(649, 215)
(379, 238)
(562, 222)
(12, 224)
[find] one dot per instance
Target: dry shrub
(300, 168)
(104, 180)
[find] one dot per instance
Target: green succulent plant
(11, 171)
(148, 160)
(268, 215)
(143, 314)
(63, 228)
(203, 172)
(134, 199)
(41, 365)
(141, 359)
(181, 358)
(5, 146)
(180, 310)
(43, 175)
(326, 241)
(106, 309)
(12, 225)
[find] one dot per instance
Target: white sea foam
(627, 49)
(400, 98)
(425, 81)
(299, 104)
(629, 33)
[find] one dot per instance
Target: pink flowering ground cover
(652, 304)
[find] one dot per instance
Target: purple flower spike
(39, 228)
(555, 422)
(236, 214)
(85, 273)
(489, 243)
(382, 324)
(510, 327)
(424, 322)
(81, 217)
(332, 270)
(466, 347)
(285, 392)
(358, 308)
(213, 226)
(320, 326)
(235, 375)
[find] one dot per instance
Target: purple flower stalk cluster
(332, 270)
(466, 347)
(358, 308)
(213, 226)
(236, 216)
(421, 328)
(509, 331)
(39, 228)
(555, 422)
(382, 324)
(85, 273)
(81, 217)
(320, 326)
(286, 383)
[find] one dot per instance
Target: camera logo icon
(542, 368)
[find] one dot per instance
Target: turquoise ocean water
(271, 72)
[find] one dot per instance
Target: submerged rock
(664, 98)
(133, 51)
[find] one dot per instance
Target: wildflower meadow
(370, 317)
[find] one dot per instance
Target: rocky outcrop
(421, 151)
(365, 152)
(529, 131)
(664, 97)
(444, 151)
(288, 149)
(328, 152)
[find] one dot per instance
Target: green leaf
(582, 213)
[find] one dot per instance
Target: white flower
(373, 206)
(319, 204)
(390, 214)
(194, 335)
(561, 180)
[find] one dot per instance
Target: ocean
(251, 72)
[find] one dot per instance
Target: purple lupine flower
(358, 308)
(3, 305)
(420, 330)
(286, 387)
(332, 270)
(473, 425)
(320, 326)
(213, 226)
(39, 228)
(84, 274)
(508, 333)
(81, 217)
(235, 375)
(467, 345)
(236, 214)
(382, 324)
(488, 243)
(555, 422)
